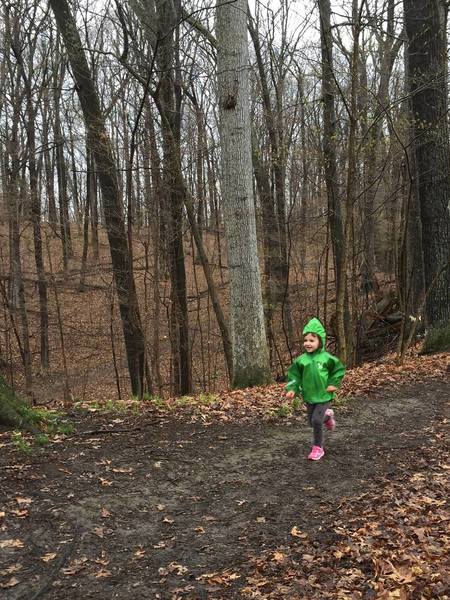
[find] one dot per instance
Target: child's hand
(290, 395)
(331, 388)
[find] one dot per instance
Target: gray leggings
(316, 417)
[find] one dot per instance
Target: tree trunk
(168, 102)
(278, 271)
(36, 211)
(249, 344)
(427, 80)
(86, 213)
(100, 145)
(64, 221)
(338, 239)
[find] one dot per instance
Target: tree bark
(100, 144)
(249, 343)
(35, 204)
(337, 233)
(427, 81)
(168, 102)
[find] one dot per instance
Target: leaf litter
(390, 541)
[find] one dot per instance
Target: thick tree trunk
(249, 344)
(427, 79)
(411, 276)
(100, 144)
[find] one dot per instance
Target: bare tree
(100, 144)
(249, 344)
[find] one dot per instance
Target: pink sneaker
(330, 424)
(316, 453)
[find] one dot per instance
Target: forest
(184, 185)
(179, 195)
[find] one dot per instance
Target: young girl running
(317, 375)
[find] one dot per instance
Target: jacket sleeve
(336, 372)
(294, 376)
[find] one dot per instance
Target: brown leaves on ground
(269, 402)
(390, 546)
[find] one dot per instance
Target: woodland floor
(153, 505)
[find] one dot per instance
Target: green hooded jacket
(312, 372)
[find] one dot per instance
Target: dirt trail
(145, 514)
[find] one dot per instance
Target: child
(317, 375)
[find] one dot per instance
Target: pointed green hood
(315, 326)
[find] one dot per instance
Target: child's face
(311, 342)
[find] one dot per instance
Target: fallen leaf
(174, 567)
(20, 514)
(123, 470)
(278, 556)
(75, 566)
(99, 531)
(12, 543)
(11, 569)
(161, 506)
(104, 481)
(260, 519)
(102, 573)
(160, 545)
(297, 533)
(139, 553)
(48, 557)
(25, 501)
(2, 514)
(308, 557)
(200, 530)
(167, 520)
(9, 584)
(105, 513)
(157, 464)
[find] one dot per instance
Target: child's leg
(316, 419)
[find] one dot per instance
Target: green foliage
(120, 406)
(111, 406)
(281, 412)
(296, 403)
(42, 439)
(284, 410)
(51, 422)
(20, 443)
(27, 446)
(157, 401)
(437, 340)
